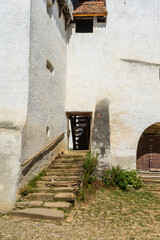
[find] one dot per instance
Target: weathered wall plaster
(14, 77)
(120, 62)
(47, 90)
(32, 99)
(101, 134)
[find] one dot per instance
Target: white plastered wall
(47, 91)
(14, 78)
(119, 62)
(32, 98)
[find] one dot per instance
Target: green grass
(31, 186)
(32, 183)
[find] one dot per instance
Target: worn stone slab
(67, 178)
(63, 183)
(67, 173)
(40, 184)
(21, 204)
(55, 189)
(68, 197)
(44, 190)
(41, 196)
(73, 155)
(151, 180)
(39, 213)
(70, 160)
(35, 204)
(46, 178)
(63, 205)
(68, 166)
(64, 170)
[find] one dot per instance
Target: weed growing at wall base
(89, 167)
(30, 187)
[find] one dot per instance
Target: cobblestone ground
(107, 214)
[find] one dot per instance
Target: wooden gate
(80, 126)
(148, 153)
(154, 149)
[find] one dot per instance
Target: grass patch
(31, 186)
(123, 179)
(32, 183)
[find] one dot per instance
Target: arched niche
(148, 150)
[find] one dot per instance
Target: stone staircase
(55, 193)
(151, 181)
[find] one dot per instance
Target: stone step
(151, 180)
(40, 184)
(21, 205)
(69, 160)
(61, 178)
(66, 197)
(55, 173)
(149, 177)
(35, 204)
(39, 204)
(149, 173)
(151, 184)
(73, 155)
(59, 205)
(67, 166)
(39, 213)
(62, 183)
(47, 197)
(47, 178)
(64, 170)
(67, 178)
(55, 190)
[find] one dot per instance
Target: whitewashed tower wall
(118, 63)
(14, 79)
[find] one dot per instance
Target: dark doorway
(79, 130)
(84, 25)
(148, 152)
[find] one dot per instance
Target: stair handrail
(44, 149)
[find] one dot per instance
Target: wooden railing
(44, 149)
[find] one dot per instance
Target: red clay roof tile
(91, 8)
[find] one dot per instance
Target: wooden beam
(90, 15)
(61, 8)
(44, 149)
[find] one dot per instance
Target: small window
(84, 25)
(49, 66)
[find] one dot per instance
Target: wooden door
(154, 150)
(148, 153)
(143, 153)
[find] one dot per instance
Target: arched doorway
(148, 151)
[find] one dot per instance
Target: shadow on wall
(40, 157)
(52, 13)
(101, 132)
(100, 25)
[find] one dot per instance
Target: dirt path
(107, 214)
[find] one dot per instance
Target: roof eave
(90, 15)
